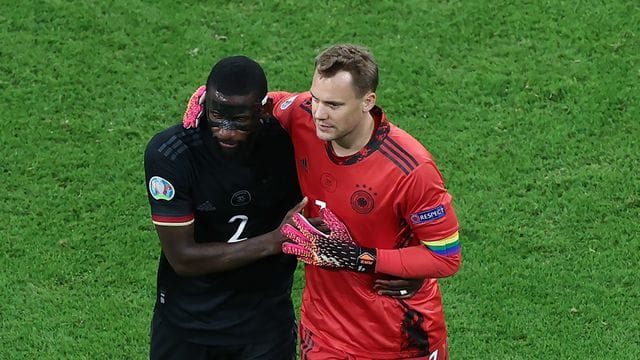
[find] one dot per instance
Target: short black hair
(238, 75)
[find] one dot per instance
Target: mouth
(323, 127)
(228, 145)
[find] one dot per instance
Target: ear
(368, 101)
(266, 110)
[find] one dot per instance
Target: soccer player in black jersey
(219, 191)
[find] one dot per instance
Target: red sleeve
(427, 205)
(416, 262)
(282, 102)
(278, 96)
(428, 209)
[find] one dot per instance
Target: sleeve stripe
(172, 220)
(173, 224)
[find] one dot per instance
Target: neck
(356, 139)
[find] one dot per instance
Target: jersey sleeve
(429, 210)
(282, 109)
(168, 189)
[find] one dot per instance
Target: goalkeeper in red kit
(384, 201)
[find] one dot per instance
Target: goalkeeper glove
(194, 108)
(336, 249)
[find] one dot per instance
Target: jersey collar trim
(380, 133)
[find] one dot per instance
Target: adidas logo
(206, 206)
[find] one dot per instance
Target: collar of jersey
(379, 134)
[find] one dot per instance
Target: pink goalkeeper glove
(336, 249)
(194, 108)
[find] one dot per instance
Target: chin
(324, 136)
(229, 152)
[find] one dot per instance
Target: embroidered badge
(361, 200)
(242, 197)
(288, 102)
(161, 189)
(429, 215)
(328, 182)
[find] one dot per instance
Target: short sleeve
(168, 188)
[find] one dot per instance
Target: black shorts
(167, 345)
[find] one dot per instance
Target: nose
(320, 112)
(223, 134)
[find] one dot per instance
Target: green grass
(530, 109)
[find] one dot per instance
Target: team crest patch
(161, 189)
(288, 102)
(328, 182)
(240, 198)
(429, 215)
(361, 200)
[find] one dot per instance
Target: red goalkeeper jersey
(390, 195)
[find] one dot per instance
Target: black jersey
(227, 199)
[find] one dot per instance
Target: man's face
(232, 119)
(337, 111)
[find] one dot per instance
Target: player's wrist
(270, 243)
(366, 260)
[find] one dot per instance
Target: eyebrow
(335, 103)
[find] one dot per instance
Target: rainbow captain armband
(445, 247)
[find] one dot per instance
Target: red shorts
(312, 348)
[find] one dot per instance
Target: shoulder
(282, 100)
(271, 127)
(408, 144)
(403, 151)
(273, 140)
(290, 108)
(420, 169)
(173, 143)
(285, 103)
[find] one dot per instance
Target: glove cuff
(366, 260)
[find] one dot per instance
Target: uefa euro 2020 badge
(161, 189)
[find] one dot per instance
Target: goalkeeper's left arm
(432, 259)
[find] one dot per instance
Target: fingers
(391, 284)
(194, 108)
(295, 249)
(308, 259)
(397, 294)
(338, 228)
(305, 226)
(295, 235)
(294, 210)
(319, 224)
(298, 207)
(397, 288)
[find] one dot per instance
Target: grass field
(530, 108)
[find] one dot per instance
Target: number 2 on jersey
(243, 222)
